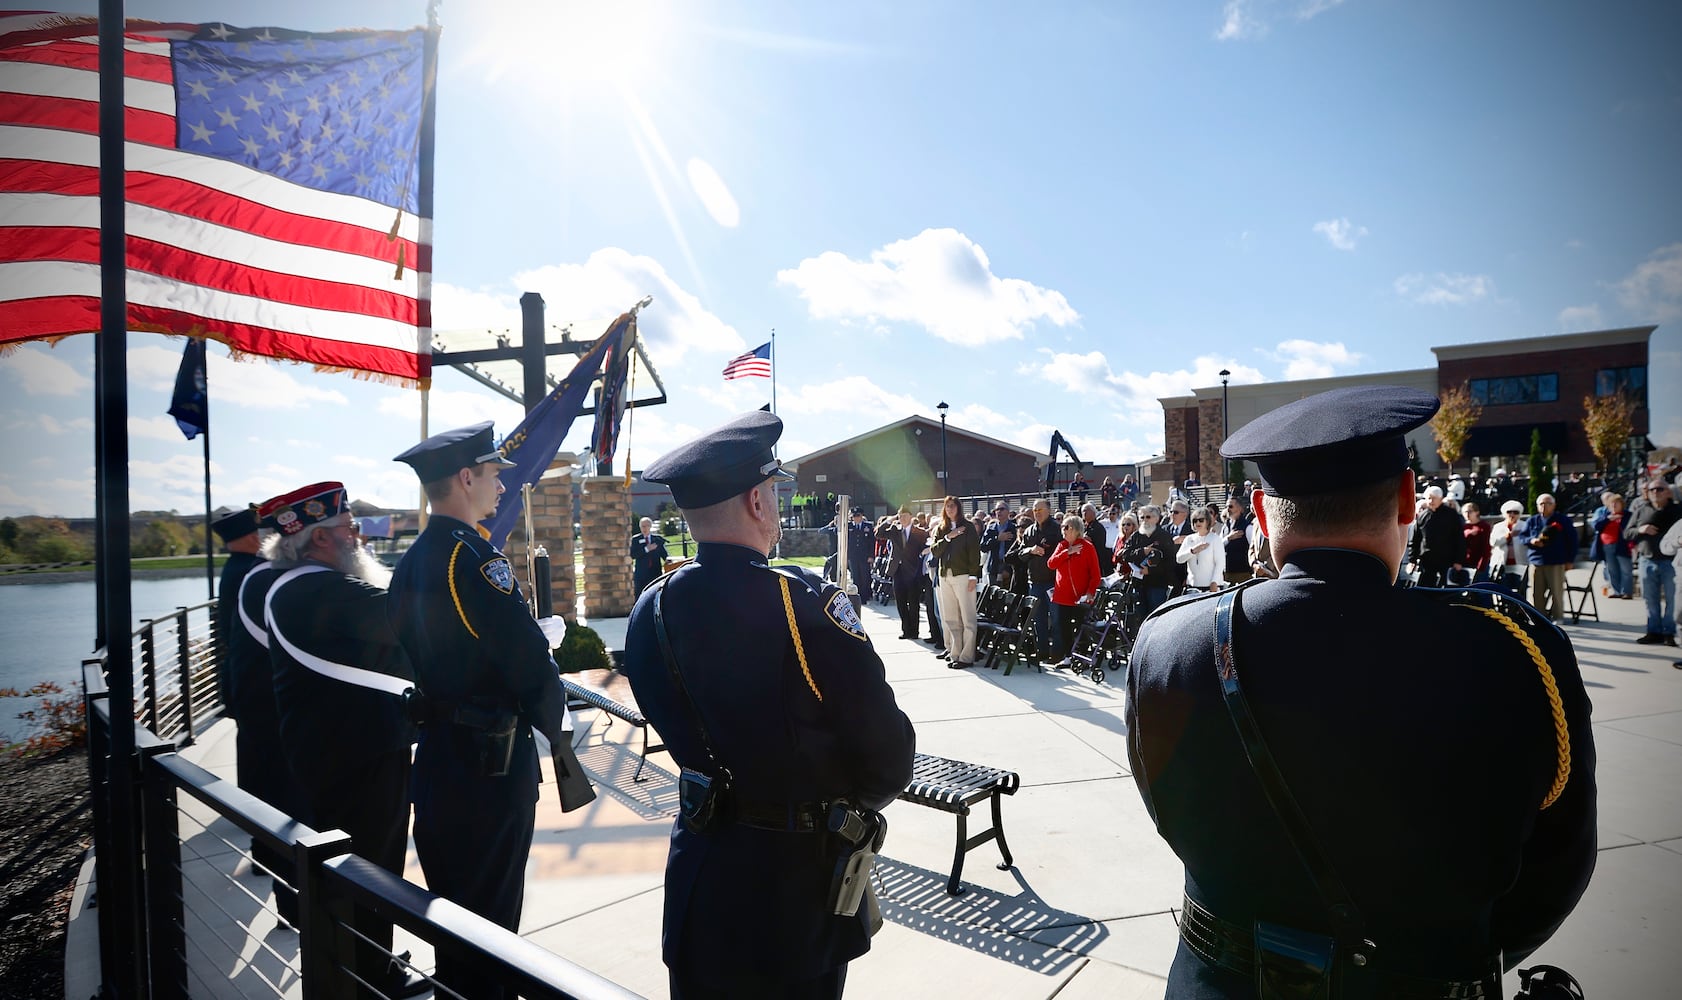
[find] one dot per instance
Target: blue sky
(1047, 215)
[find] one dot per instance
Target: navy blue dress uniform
(1454, 795)
(230, 528)
(797, 706)
(480, 661)
(861, 546)
(339, 679)
(259, 756)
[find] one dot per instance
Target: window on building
(1632, 380)
(1514, 389)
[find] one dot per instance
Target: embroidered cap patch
(840, 611)
(500, 574)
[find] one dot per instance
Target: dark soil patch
(46, 823)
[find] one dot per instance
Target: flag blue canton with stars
(327, 111)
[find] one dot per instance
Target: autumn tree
(1608, 422)
(1540, 466)
(1453, 423)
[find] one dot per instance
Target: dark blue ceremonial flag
(532, 445)
(190, 406)
(610, 409)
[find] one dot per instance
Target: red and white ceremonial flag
(754, 364)
(279, 188)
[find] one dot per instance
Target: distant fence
(199, 920)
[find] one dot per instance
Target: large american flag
(754, 364)
(275, 188)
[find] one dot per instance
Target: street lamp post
(946, 487)
(1226, 473)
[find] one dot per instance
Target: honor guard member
(486, 680)
(259, 757)
(785, 702)
(241, 538)
(1422, 825)
(339, 679)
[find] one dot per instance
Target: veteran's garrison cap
(721, 463)
(292, 512)
(445, 453)
(231, 527)
(1332, 440)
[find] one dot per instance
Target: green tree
(50, 540)
(1541, 469)
(9, 533)
(161, 538)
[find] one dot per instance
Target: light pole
(943, 482)
(1226, 473)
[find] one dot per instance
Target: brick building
(1525, 385)
(901, 461)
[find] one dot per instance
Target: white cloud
(1340, 233)
(612, 281)
(714, 194)
(38, 373)
(938, 279)
(69, 497)
(1313, 8)
(1239, 22)
(1134, 395)
(1313, 359)
(1445, 289)
(257, 383)
(448, 408)
(1653, 291)
(456, 308)
(156, 428)
(1573, 319)
(850, 395)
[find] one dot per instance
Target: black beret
(1333, 440)
(237, 525)
(448, 452)
(721, 463)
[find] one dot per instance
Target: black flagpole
(122, 961)
(209, 545)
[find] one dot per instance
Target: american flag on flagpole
(278, 188)
(754, 364)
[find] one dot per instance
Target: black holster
(702, 800)
(1292, 964)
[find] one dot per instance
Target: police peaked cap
(448, 452)
(230, 527)
(721, 463)
(292, 512)
(1332, 440)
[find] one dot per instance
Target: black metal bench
(953, 786)
(584, 696)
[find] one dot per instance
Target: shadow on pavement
(984, 920)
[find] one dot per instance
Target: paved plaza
(1090, 908)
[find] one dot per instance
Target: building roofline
(904, 421)
(1552, 342)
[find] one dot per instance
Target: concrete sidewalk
(1090, 908)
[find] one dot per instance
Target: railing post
(325, 948)
(184, 663)
(112, 973)
(149, 673)
(166, 933)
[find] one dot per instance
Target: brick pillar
(551, 510)
(605, 518)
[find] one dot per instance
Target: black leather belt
(1232, 947)
(803, 817)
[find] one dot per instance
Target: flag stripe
(46, 80)
(141, 60)
(83, 116)
(200, 202)
(44, 279)
(212, 241)
(218, 176)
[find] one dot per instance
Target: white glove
(554, 629)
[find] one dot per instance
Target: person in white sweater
(1201, 554)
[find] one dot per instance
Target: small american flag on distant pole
(754, 364)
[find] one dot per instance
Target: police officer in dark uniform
(240, 536)
(1454, 807)
(794, 705)
(861, 544)
(339, 679)
(486, 679)
(259, 756)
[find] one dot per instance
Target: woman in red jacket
(1075, 564)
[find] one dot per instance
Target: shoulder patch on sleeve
(500, 575)
(840, 611)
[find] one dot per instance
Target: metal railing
(197, 876)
